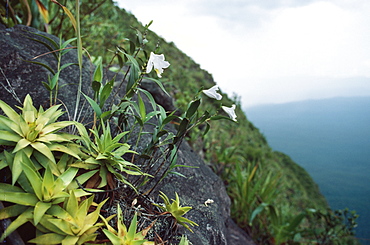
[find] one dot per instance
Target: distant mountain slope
(329, 138)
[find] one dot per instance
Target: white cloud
(269, 52)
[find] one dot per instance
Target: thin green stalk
(79, 52)
(54, 100)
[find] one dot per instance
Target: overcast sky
(270, 51)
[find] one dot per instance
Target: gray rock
(18, 47)
(18, 78)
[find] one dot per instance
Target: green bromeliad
(34, 132)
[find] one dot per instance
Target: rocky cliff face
(19, 77)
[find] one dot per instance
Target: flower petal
(150, 64)
(158, 62)
(230, 111)
(212, 93)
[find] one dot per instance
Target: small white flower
(230, 111)
(212, 93)
(157, 61)
(134, 202)
(209, 201)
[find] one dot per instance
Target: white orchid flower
(157, 61)
(230, 111)
(212, 93)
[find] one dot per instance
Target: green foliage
(48, 166)
(33, 132)
(332, 227)
(184, 240)
(72, 224)
(176, 210)
(49, 179)
(58, 50)
(126, 236)
(38, 196)
(253, 191)
(105, 153)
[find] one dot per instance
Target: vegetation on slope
(273, 199)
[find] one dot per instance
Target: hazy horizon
(270, 51)
(245, 108)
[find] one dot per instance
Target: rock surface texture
(19, 77)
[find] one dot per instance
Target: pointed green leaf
(132, 47)
(183, 127)
(55, 45)
(112, 237)
(42, 148)
(103, 176)
(106, 91)
(7, 124)
(45, 162)
(121, 62)
(10, 188)
(39, 211)
(193, 107)
(59, 212)
(62, 225)
(142, 109)
(150, 97)
(54, 80)
(81, 179)
(132, 78)
(47, 184)
(132, 61)
(52, 137)
(50, 238)
(72, 204)
(94, 105)
(50, 115)
(12, 211)
(9, 136)
(55, 126)
(93, 217)
(46, 86)
(65, 44)
(132, 229)
(41, 64)
(26, 199)
(96, 87)
(169, 119)
(16, 166)
(208, 126)
(34, 178)
(68, 176)
(257, 211)
(9, 111)
(98, 73)
(61, 148)
(66, 65)
(71, 240)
